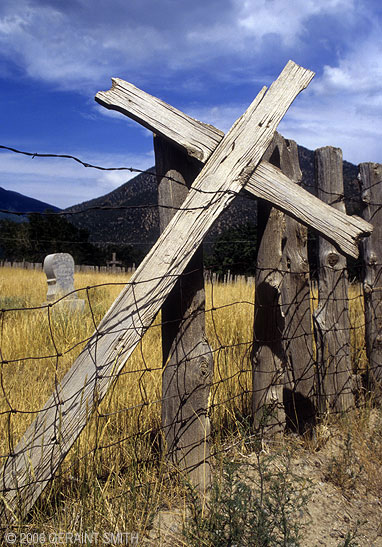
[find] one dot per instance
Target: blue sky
(208, 58)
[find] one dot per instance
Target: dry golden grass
(128, 420)
(120, 485)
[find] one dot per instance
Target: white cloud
(359, 71)
(318, 121)
(56, 45)
(77, 44)
(341, 107)
(252, 21)
(286, 19)
(80, 43)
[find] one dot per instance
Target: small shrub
(257, 504)
(345, 468)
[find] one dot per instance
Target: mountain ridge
(130, 213)
(136, 222)
(20, 203)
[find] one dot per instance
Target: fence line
(231, 388)
(161, 403)
(225, 278)
(25, 265)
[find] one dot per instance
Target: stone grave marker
(59, 270)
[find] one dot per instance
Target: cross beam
(199, 140)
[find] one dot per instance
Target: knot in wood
(367, 288)
(366, 196)
(204, 367)
(332, 259)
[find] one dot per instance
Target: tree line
(39, 235)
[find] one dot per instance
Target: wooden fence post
(295, 301)
(268, 361)
(234, 164)
(187, 358)
(371, 182)
(283, 364)
(331, 318)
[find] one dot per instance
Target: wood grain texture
(340, 229)
(198, 139)
(267, 182)
(269, 360)
(50, 436)
(371, 185)
(299, 394)
(331, 318)
(294, 330)
(187, 357)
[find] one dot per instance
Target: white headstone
(59, 270)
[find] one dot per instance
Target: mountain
(129, 214)
(352, 189)
(135, 217)
(126, 216)
(13, 201)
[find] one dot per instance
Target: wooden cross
(199, 140)
(113, 262)
(232, 162)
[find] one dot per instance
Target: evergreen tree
(45, 234)
(235, 250)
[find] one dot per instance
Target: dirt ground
(344, 507)
(333, 512)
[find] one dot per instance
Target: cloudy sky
(206, 57)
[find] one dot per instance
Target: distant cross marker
(114, 262)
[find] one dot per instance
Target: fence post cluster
(170, 279)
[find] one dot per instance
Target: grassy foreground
(114, 477)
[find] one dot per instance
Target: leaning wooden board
(50, 436)
(267, 182)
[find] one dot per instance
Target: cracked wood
(49, 438)
(267, 182)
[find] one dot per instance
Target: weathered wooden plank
(197, 138)
(343, 230)
(187, 357)
(267, 182)
(331, 318)
(283, 351)
(268, 360)
(48, 439)
(371, 183)
(299, 395)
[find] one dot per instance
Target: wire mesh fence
(39, 345)
(124, 441)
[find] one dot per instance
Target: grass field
(114, 476)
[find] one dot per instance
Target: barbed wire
(70, 157)
(147, 172)
(245, 195)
